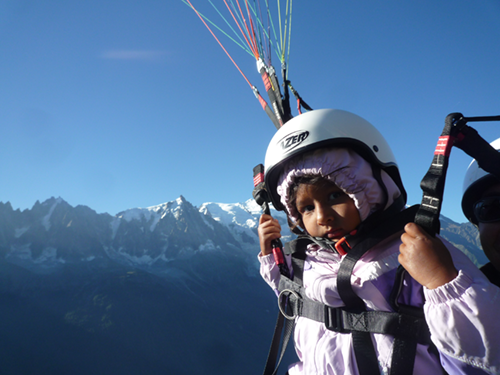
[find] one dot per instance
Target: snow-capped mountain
(242, 220)
(168, 289)
(53, 233)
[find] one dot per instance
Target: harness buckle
(286, 304)
(339, 246)
(342, 246)
(334, 319)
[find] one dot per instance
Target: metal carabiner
(281, 302)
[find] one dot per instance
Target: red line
(253, 29)
(220, 44)
(250, 44)
(254, 45)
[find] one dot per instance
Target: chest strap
(408, 324)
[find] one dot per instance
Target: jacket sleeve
(270, 271)
(462, 318)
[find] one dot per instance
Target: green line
(262, 32)
(244, 47)
(275, 46)
(289, 35)
(242, 22)
(234, 31)
(278, 46)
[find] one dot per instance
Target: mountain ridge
(171, 288)
(54, 233)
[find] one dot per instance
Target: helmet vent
(375, 148)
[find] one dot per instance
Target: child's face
(326, 211)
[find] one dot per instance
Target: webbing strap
(457, 133)
(296, 249)
(273, 362)
(364, 350)
(403, 324)
(266, 108)
(285, 102)
(433, 182)
(273, 98)
(403, 356)
(360, 244)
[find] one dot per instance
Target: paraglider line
(220, 44)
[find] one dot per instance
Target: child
(336, 177)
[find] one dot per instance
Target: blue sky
(123, 104)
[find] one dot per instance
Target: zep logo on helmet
(292, 140)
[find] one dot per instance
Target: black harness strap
(407, 325)
(296, 250)
(364, 350)
(284, 325)
(400, 325)
(273, 362)
(433, 182)
(457, 133)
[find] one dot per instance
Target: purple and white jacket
(462, 315)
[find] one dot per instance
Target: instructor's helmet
(326, 128)
(476, 181)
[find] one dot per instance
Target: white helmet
(476, 181)
(327, 128)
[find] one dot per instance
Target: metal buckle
(282, 302)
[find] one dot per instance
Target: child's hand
(269, 229)
(426, 258)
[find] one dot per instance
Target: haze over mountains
(169, 289)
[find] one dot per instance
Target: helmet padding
(346, 169)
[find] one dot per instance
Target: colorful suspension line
(255, 38)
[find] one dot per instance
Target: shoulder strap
(359, 245)
(366, 357)
(297, 250)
